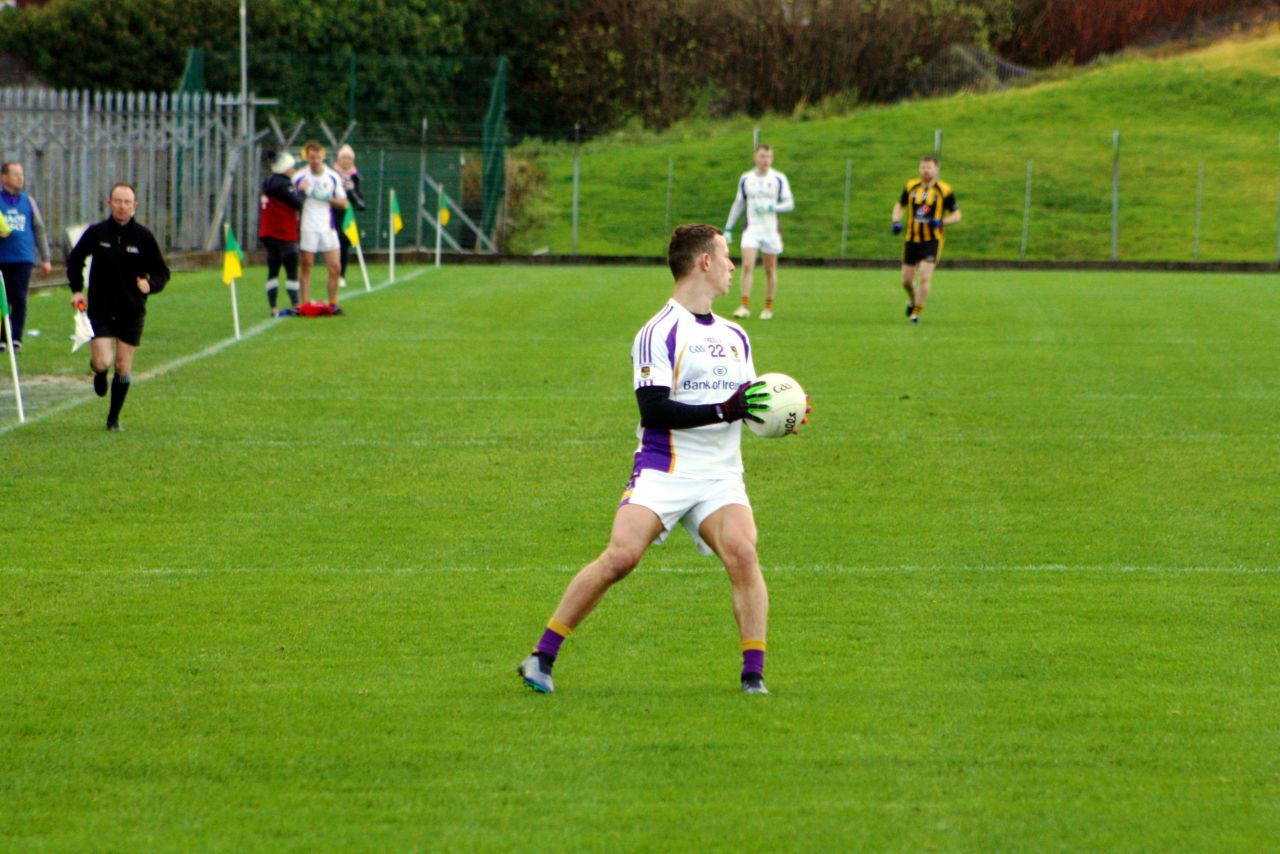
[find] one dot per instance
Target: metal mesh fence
(1123, 198)
(964, 68)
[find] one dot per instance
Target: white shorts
(687, 500)
(769, 244)
(318, 241)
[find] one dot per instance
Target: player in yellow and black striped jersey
(930, 205)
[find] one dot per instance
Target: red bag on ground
(315, 308)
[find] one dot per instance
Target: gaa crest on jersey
(645, 371)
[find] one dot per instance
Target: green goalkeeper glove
(747, 400)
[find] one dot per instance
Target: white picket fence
(184, 153)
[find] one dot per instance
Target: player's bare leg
(634, 528)
(748, 268)
(333, 263)
(770, 285)
(908, 279)
(103, 353)
(124, 357)
(308, 261)
(101, 357)
(923, 280)
(731, 533)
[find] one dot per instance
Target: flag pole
(364, 271)
(391, 205)
(13, 365)
(13, 357)
(235, 306)
(235, 309)
(351, 230)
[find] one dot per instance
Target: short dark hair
(687, 243)
(312, 143)
(4, 167)
(118, 184)
(933, 158)
(764, 146)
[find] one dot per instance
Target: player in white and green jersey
(762, 194)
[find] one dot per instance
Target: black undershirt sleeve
(659, 412)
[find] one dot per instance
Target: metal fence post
(1278, 218)
(439, 218)
(504, 221)
(1115, 196)
(755, 139)
(577, 174)
(1026, 216)
(1195, 245)
(844, 228)
(382, 191)
(937, 142)
(86, 193)
(422, 190)
(666, 220)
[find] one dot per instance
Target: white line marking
(710, 568)
(183, 361)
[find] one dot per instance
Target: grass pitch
(1022, 565)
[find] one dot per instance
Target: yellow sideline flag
(231, 258)
(349, 227)
(396, 222)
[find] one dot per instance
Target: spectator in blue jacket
(19, 244)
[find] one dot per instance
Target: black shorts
(123, 327)
(914, 252)
(280, 251)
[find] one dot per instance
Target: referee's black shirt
(121, 255)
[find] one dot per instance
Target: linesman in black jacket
(127, 267)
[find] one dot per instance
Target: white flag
(84, 331)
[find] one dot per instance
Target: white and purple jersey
(762, 198)
(701, 361)
(317, 213)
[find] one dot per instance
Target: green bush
(299, 52)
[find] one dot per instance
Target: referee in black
(127, 268)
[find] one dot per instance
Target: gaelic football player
(324, 191)
(932, 205)
(763, 193)
(694, 382)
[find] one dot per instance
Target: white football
(787, 405)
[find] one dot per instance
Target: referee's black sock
(119, 388)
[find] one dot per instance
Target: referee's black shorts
(914, 252)
(123, 327)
